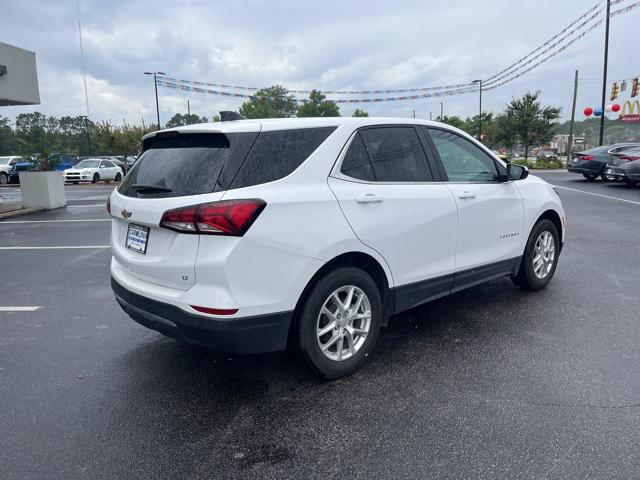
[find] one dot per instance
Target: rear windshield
(186, 164)
(179, 164)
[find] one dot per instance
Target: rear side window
(396, 154)
(187, 164)
(276, 154)
(356, 162)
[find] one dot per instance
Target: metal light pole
(155, 84)
(86, 131)
(604, 74)
(441, 111)
(479, 82)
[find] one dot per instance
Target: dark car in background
(625, 166)
(592, 163)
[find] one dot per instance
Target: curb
(20, 212)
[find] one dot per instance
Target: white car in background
(249, 236)
(93, 170)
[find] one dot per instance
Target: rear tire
(346, 305)
(96, 178)
(118, 177)
(4, 179)
(540, 257)
(589, 176)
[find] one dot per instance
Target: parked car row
(10, 168)
(75, 169)
(606, 162)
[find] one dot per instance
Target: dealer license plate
(137, 237)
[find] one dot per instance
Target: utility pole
(573, 117)
(188, 113)
(155, 84)
(430, 116)
(441, 111)
(414, 113)
(604, 73)
(479, 82)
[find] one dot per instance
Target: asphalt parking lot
(491, 382)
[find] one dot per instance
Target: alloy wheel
(343, 323)
(544, 254)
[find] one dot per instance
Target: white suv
(249, 236)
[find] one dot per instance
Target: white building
(18, 76)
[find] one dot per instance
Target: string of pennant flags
(469, 88)
(586, 23)
(327, 92)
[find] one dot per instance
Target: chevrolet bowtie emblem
(126, 213)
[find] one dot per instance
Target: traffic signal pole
(604, 74)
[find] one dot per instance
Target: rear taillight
(109, 205)
(227, 217)
(586, 157)
(626, 158)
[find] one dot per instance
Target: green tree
(31, 132)
(7, 140)
(472, 126)
(272, 102)
(318, 106)
(360, 113)
(454, 121)
(179, 120)
(529, 122)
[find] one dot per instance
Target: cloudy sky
(302, 44)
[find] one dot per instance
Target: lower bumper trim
(257, 334)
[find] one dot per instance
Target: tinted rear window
(276, 154)
(188, 164)
(396, 154)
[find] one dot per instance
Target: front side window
(396, 154)
(463, 160)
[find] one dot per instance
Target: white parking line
(58, 221)
(85, 205)
(64, 247)
(19, 309)
(599, 195)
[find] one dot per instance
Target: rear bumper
(594, 169)
(263, 333)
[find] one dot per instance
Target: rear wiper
(139, 187)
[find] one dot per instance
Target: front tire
(589, 176)
(96, 178)
(603, 176)
(540, 257)
(339, 322)
(118, 177)
(4, 179)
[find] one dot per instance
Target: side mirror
(516, 172)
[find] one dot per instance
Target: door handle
(369, 198)
(466, 194)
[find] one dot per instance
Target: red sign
(633, 118)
